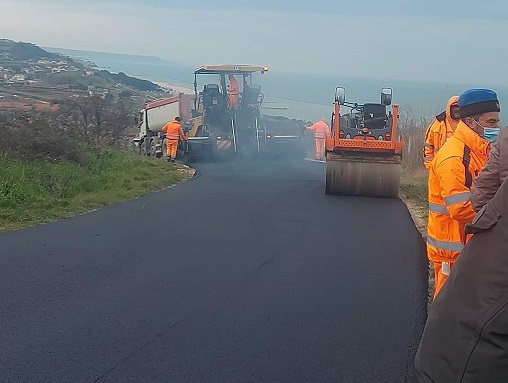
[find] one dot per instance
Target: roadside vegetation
(414, 174)
(53, 168)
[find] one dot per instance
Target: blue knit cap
(478, 101)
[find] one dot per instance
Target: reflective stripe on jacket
(321, 130)
(439, 132)
(451, 175)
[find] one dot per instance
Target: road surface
(247, 273)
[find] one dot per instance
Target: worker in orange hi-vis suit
(321, 131)
(451, 175)
(173, 131)
(441, 130)
(234, 91)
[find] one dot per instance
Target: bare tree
(120, 119)
(100, 120)
(412, 128)
(98, 117)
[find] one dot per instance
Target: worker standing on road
(494, 173)
(173, 131)
(233, 92)
(441, 130)
(321, 131)
(451, 176)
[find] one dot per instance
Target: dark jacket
(493, 174)
(466, 335)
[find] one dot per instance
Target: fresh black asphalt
(246, 273)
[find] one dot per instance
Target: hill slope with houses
(26, 64)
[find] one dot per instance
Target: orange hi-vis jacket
(321, 130)
(439, 132)
(234, 89)
(450, 177)
(173, 131)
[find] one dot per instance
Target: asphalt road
(247, 273)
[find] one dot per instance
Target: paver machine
(219, 129)
(363, 154)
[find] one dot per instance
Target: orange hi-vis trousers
(440, 277)
(171, 148)
(320, 148)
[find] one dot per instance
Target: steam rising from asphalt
(286, 140)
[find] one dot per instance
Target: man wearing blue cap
(451, 175)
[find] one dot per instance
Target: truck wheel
(142, 149)
(153, 151)
(164, 153)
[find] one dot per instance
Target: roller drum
(363, 176)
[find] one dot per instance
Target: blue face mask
(490, 134)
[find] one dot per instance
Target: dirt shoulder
(413, 194)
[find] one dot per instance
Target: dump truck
(363, 154)
(221, 129)
(152, 118)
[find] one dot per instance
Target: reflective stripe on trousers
(320, 149)
(445, 245)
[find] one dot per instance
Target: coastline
(177, 88)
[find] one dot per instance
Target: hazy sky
(432, 40)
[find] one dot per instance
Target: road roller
(363, 154)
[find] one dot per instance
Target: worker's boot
(168, 159)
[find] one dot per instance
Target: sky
(453, 41)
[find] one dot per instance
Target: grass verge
(33, 192)
(414, 186)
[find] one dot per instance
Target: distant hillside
(24, 51)
(140, 66)
(18, 55)
(106, 56)
(100, 79)
(122, 78)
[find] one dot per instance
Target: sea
(296, 95)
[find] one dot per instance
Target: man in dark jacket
(493, 174)
(466, 335)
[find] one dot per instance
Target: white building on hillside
(18, 78)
